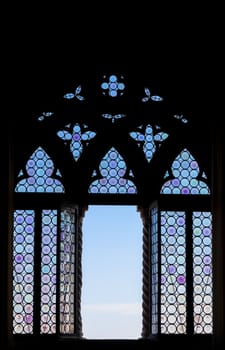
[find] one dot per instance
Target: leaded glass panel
(23, 271)
(173, 272)
(202, 268)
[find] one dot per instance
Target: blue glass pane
(185, 170)
(39, 171)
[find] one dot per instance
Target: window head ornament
(113, 86)
(148, 96)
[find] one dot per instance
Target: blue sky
(112, 272)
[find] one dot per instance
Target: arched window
(117, 144)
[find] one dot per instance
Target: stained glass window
(76, 137)
(184, 177)
(46, 246)
(149, 138)
(40, 175)
(113, 170)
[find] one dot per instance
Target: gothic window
(104, 154)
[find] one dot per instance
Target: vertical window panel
(23, 271)
(48, 271)
(173, 272)
(202, 267)
(155, 270)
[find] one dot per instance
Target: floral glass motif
(40, 175)
(75, 94)
(184, 177)
(77, 137)
(23, 271)
(113, 86)
(113, 170)
(148, 96)
(149, 138)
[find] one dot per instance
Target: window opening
(112, 265)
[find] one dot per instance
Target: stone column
(146, 273)
(78, 321)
